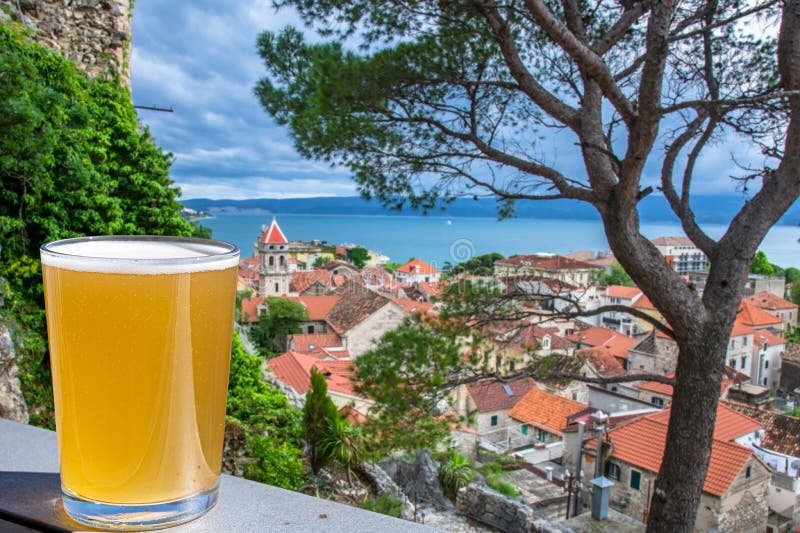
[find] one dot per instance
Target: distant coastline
(710, 209)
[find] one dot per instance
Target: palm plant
(455, 473)
(343, 443)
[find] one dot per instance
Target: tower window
(277, 288)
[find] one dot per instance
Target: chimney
(601, 487)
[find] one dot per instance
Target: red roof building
(602, 361)
(317, 307)
(320, 345)
(756, 317)
(417, 271)
(294, 369)
(273, 234)
(545, 411)
(251, 309)
(614, 341)
(417, 266)
(493, 395)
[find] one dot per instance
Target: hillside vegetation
(74, 160)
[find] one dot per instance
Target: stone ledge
(30, 497)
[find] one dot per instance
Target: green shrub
(384, 504)
(454, 473)
(496, 481)
(272, 426)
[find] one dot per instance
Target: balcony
(30, 497)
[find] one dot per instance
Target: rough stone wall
(365, 334)
(667, 358)
(381, 483)
(790, 375)
(501, 512)
(93, 34)
(12, 403)
(748, 516)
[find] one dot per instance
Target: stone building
(734, 496)
(547, 266)
(362, 316)
(273, 256)
(94, 34)
(484, 404)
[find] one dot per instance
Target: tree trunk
(702, 330)
(679, 484)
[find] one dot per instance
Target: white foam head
(139, 255)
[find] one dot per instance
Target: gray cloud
(200, 58)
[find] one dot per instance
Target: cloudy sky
(199, 57)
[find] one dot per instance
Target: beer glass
(140, 334)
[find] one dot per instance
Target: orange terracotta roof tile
(412, 306)
(303, 280)
(313, 342)
(533, 335)
(417, 266)
(644, 303)
(617, 343)
(317, 307)
(250, 308)
(492, 395)
(621, 291)
(751, 315)
(781, 432)
(770, 302)
(762, 337)
(666, 390)
(730, 425)
(545, 410)
(431, 288)
(273, 234)
(294, 369)
(593, 258)
(546, 262)
(641, 443)
(740, 329)
(602, 360)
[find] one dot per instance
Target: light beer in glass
(140, 334)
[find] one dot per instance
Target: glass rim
(228, 250)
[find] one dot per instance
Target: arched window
(280, 260)
(271, 261)
(277, 289)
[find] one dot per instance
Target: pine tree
(319, 414)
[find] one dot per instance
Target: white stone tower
(273, 258)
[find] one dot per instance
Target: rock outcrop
(380, 482)
(419, 479)
(93, 34)
(234, 457)
(12, 403)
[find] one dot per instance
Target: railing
(30, 497)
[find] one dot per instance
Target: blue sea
(437, 239)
